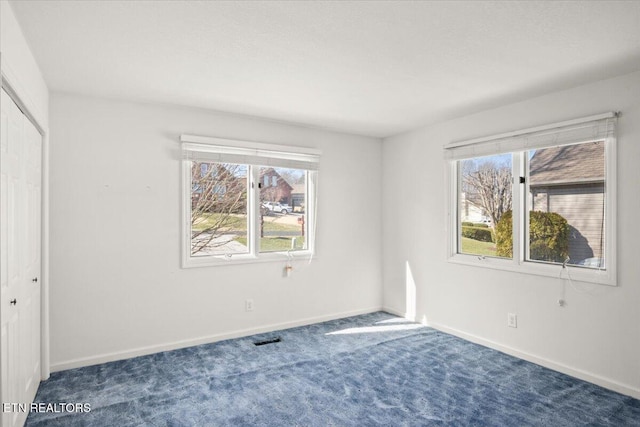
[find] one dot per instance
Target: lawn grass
(234, 222)
(274, 244)
(238, 223)
(476, 247)
(279, 244)
(274, 226)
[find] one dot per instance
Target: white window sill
(577, 274)
(219, 261)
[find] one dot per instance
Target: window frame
(262, 155)
(519, 262)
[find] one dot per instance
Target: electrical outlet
(512, 320)
(248, 305)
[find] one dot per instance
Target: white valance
(593, 128)
(209, 149)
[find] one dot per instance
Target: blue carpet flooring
(370, 370)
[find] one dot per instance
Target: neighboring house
(216, 188)
(274, 188)
(470, 210)
(569, 180)
(216, 185)
(297, 197)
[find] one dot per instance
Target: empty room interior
(292, 213)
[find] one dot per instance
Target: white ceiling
(371, 68)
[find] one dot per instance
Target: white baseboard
(398, 313)
(142, 351)
(568, 370)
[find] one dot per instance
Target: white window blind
(593, 128)
(202, 148)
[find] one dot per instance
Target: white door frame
(45, 366)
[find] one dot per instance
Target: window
(218, 219)
(483, 198)
(283, 223)
(566, 199)
(247, 202)
(537, 201)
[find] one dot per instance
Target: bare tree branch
(218, 201)
(489, 186)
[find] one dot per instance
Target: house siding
(469, 211)
(582, 206)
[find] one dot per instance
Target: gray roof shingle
(568, 164)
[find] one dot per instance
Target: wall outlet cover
(512, 320)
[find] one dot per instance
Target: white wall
(20, 67)
(597, 335)
(117, 288)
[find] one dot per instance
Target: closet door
(30, 325)
(20, 249)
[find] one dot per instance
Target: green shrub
(481, 225)
(504, 235)
(477, 233)
(467, 224)
(548, 234)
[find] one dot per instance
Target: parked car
(277, 207)
(486, 220)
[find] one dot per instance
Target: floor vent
(269, 341)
